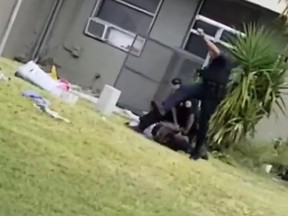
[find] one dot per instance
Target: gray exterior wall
(95, 57)
(28, 27)
(274, 127)
(6, 7)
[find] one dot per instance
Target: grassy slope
(97, 167)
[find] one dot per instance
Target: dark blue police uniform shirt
(218, 70)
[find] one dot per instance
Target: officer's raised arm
(214, 51)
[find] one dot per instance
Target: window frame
(97, 8)
(216, 38)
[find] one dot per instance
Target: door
(146, 75)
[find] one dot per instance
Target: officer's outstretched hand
(201, 32)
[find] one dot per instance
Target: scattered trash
(3, 77)
(86, 97)
(43, 105)
(66, 96)
(32, 73)
(49, 66)
(75, 88)
(64, 84)
(268, 168)
(53, 73)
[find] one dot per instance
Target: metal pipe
(218, 25)
(50, 27)
(43, 32)
(11, 22)
(47, 27)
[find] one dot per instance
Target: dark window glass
(125, 17)
(223, 49)
(148, 5)
(228, 37)
(208, 28)
(196, 46)
(233, 13)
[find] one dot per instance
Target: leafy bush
(259, 81)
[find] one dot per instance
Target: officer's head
(176, 83)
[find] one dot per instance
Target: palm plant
(258, 85)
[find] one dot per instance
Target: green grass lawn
(98, 167)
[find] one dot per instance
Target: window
(220, 19)
(117, 22)
(215, 31)
(232, 13)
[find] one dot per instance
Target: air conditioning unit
(114, 35)
(97, 28)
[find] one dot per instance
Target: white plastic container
(108, 100)
(66, 96)
(268, 168)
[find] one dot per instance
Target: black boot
(146, 121)
(200, 152)
(158, 109)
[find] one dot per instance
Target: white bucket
(108, 100)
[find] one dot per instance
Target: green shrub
(259, 81)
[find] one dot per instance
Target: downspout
(11, 22)
(46, 30)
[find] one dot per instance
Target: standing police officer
(210, 92)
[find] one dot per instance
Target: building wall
(275, 126)
(27, 27)
(95, 57)
(6, 8)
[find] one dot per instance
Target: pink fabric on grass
(64, 84)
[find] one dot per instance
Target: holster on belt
(217, 90)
